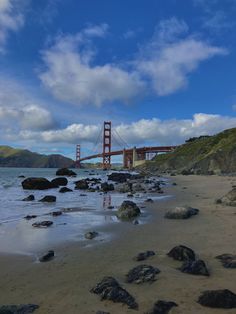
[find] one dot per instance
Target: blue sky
(161, 71)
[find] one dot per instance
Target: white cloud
(11, 20)
(143, 132)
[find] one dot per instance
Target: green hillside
(203, 155)
(11, 157)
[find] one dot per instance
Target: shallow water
(88, 212)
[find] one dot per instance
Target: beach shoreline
(63, 284)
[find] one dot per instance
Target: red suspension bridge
(131, 156)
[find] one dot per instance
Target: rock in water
(48, 199)
(42, 224)
(64, 189)
(227, 260)
(195, 268)
(56, 213)
(29, 198)
(128, 210)
(182, 253)
(81, 185)
(143, 256)
(184, 212)
(224, 299)
(61, 181)
(142, 273)
(18, 309)
(47, 257)
(110, 289)
(91, 235)
(107, 187)
(230, 198)
(36, 184)
(28, 217)
(65, 172)
(120, 177)
(162, 307)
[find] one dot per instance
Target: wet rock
(144, 255)
(138, 187)
(47, 257)
(56, 213)
(184, 212)
(142, 273)
(130, 195)
(36, 184)
(195, 268)
(124, 187)
(65, 172)
(224, 299)
(81, 185)
(83, 194)
(29, 198)
(135, 222)
(174, 183)
(28, 217)
(61, 181)
(162, 307)
(91, 235)
(119, 176)
(42, 224)
(227, 260)
(110, 289)
(64, 189)
(48, 199)
(149, 200)
(102, 312)
(230, 198)
(128, 210)
(110, 207)
(182, 253)
(21, 176)
(105, 187)
(18, 309)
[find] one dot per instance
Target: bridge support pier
(106, 145)
(77, 161)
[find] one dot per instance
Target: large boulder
(230, 198)
(18, 309)
(110, 289)
(119, 176)
(81, 185)
(183, 212)
(65, 172)
(36, 184)
(182, 253)
(128, 210)
(61, 181)
(224, 299)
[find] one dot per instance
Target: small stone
(182, 253)
(91, 235)
(64, 189)
(47, 257)
(143, 256)
(48, 199)
(162, 307)
(149, 200)
(227, 260)
(195, 268)
(42, 224)
(135, 222)
(224, 299)
(29, 198)
(56, 213)
(142, 273)
(28, 217)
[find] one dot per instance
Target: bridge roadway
(140, 150)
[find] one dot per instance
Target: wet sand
(62, 285)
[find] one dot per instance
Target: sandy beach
(63, 284)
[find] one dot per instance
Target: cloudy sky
(161, 71)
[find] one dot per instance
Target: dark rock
(56, 213)
(195, 268)
(142, 273)
(182, 253)
(110, 207)
(21, 176)
(125, 187)
(42, 224)
(227, 260)
(64, 189)
(48, 199)
(29, 198)
(36, 184)
(102, 312)
(119, 176)
(28, 217)
(149, 200)
(18, 309)
(162, 307)
(224, 299)
(128, 210)
(174, 183)
(107, 187)
(61, 181)
(47, 257)
(65, 172)
(135, 222)
(130, 195)
(184, 212)
(83, 195)
(110, 289)
(144, 255)
(91, 235)
(81, 185)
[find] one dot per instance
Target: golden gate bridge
(131, 156)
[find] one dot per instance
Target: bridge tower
(106, 145)
(77, 160)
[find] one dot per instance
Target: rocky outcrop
(110, 289)
(48, 199)
(224, 299)
(61, 181)
(182, 253)
(184, 212)
(66, 172)
(142, 273)
(162, 307)
(36, 184)
(18, 309)
(128, 210)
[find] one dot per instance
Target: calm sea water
(17, 234)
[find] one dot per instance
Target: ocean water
(17, 235)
